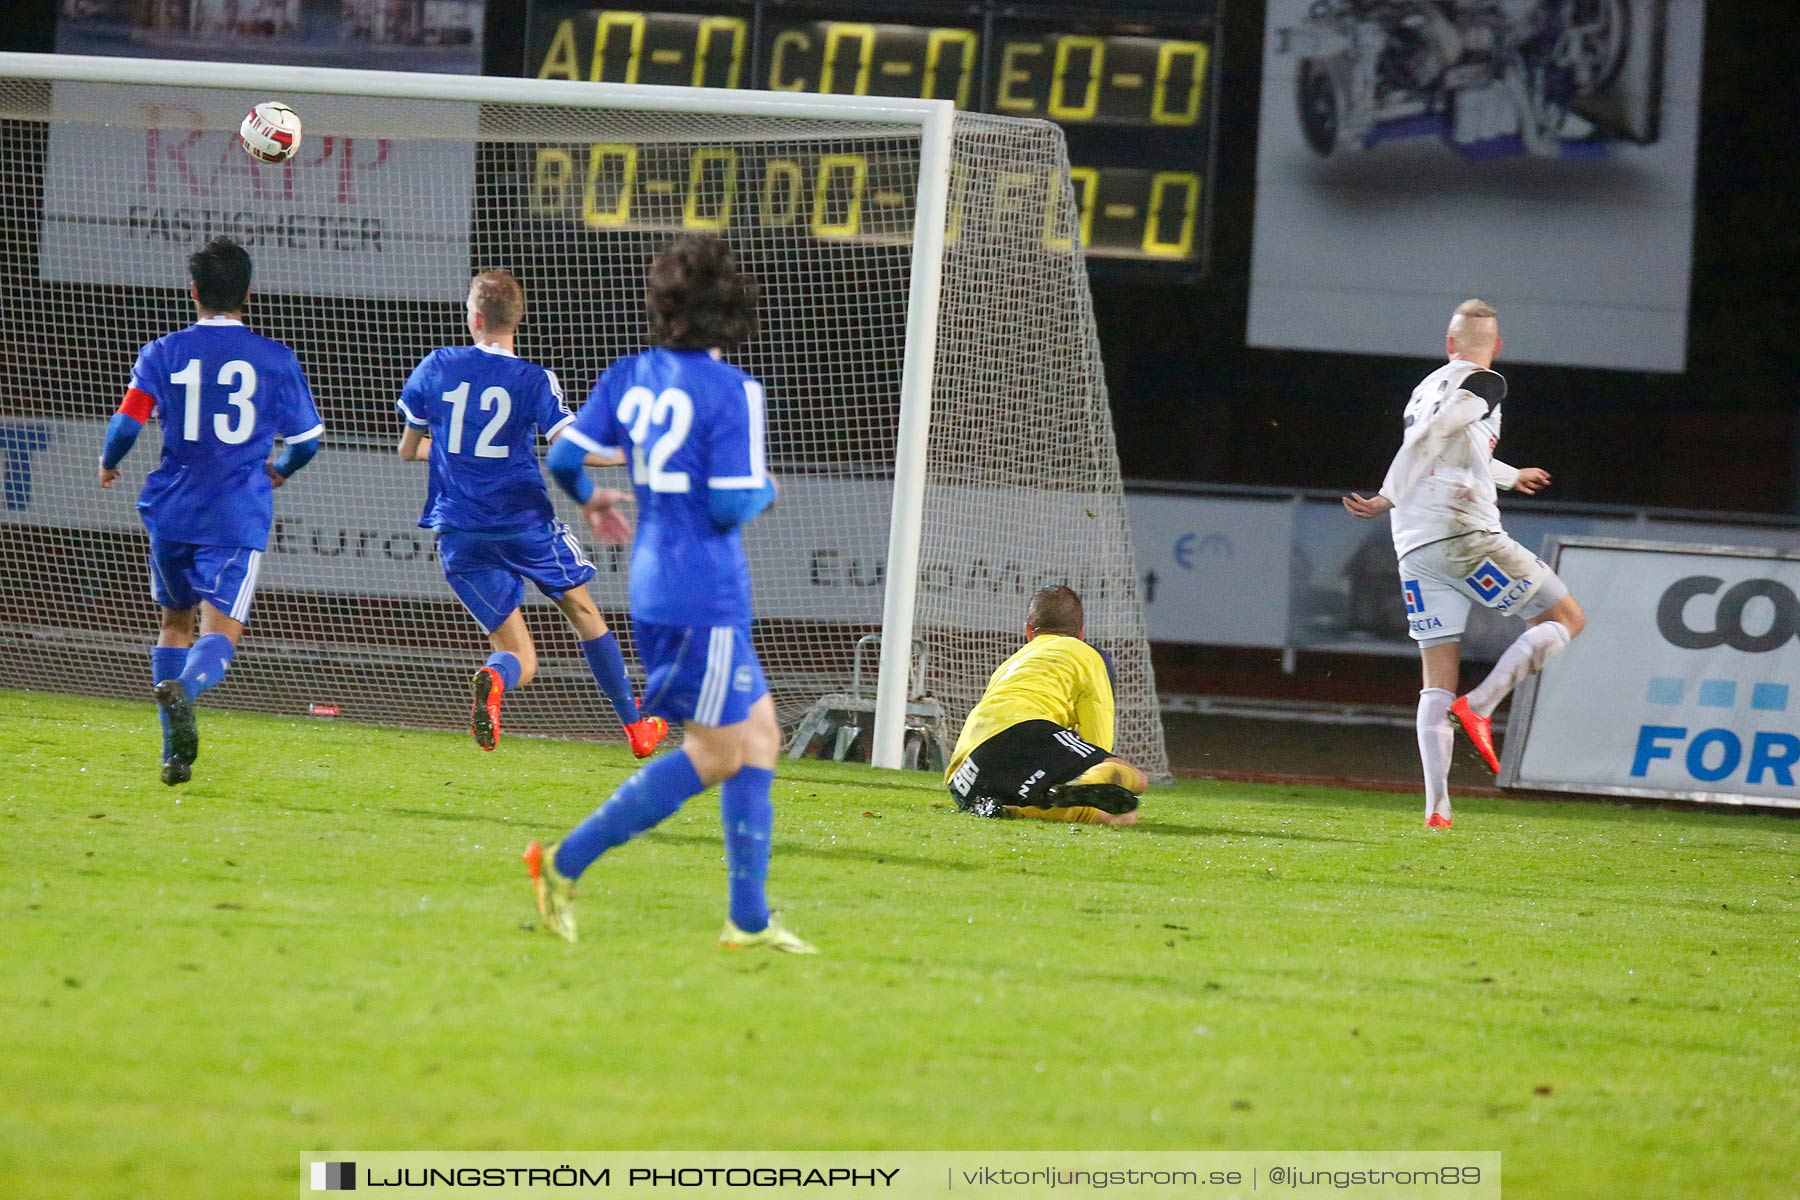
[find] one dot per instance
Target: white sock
(1528, 653)
(1435, 743)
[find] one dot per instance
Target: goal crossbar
(410, 85)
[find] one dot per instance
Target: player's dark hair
(698, 299)
(1057, 610)
(221, 274)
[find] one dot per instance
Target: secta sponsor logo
(1754, 615)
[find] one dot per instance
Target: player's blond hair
(1470, 325)
(500, 300)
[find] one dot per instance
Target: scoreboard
(1133, 90)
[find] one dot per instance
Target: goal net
(363, 247)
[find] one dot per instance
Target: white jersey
(1442, 482)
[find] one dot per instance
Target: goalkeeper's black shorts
(1020, 764)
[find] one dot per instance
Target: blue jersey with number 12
(691, 424)
(484, 407)
(223, 395)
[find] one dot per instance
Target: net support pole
(906, 529)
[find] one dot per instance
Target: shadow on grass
(1520, 802)
(432, 814)
(1290, 795)
(1154, 828)
(1172, 829)
(837, 853)
(901, 781)
(781, 848)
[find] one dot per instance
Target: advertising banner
(1215, 570)
(1686, 684)
(349, 526)
(382, 35)
(354, 213)
(1272, 572)
(1346, 583)
(1540, 155)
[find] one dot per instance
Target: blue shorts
(183, 574)
(699, 673)
(488, 573)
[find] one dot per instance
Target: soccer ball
(270, 132)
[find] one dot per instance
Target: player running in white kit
(1453, 552)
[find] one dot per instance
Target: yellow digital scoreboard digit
(603, 45)
(855, 58)
(1132, 91)
(1079, 79)
(831, 195)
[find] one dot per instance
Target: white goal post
(938, 416)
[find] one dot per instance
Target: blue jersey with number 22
(223, 395)
(690, 424)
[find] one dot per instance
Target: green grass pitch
(327, 941)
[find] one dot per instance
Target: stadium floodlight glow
(938, 416)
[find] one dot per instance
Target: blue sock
(166, 662)
(748, 817)
(206, 664)
(608, 665)
(506, 665)
(644, 800)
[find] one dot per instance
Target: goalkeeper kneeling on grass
(1036, 745)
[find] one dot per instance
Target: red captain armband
(138, 405)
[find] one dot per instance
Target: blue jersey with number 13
(691, 424)
(223, 395)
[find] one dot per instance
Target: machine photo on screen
(1491, 78)
(1540, 154)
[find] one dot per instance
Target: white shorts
(1440, 581)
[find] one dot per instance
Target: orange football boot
(1480, 730)
(1437, 821)
(484, 713)
(646, 734)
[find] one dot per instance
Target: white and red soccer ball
(270, 132)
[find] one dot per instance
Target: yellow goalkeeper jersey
(1053, 677)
